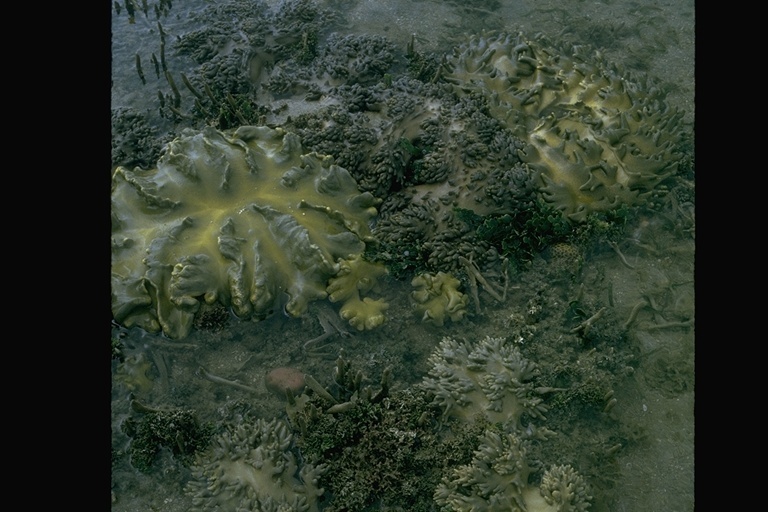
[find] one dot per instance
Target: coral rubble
(244, 218)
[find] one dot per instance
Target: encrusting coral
(245, 219)
(437, 297)
(251, 467)
(597, 138)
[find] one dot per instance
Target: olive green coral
(563, 488)
(250, 466)
(357, 277)
(497, 480)
(494, 481)
(596, 137)
(242, 218)
(437, 297)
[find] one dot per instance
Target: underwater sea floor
(637, 453)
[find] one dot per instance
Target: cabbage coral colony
(596, 138)
(245, 219)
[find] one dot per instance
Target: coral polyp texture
(489, 378)
(497, 480)
(251, 467)
(242, 218)
(596, 137)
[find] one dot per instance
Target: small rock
(281, 379)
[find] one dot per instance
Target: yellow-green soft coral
(251, 466)
(597, 138)
(242, 218)
(437, 297)
(497, 480)
(357, 277)
(490, 377)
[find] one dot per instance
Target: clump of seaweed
(152, 430)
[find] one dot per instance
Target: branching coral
(428, 153)
(251, 467)
(489, 377)
(437, 297)
(497, 480)
(455, 157)
(494, 481)
(382, 448)
(244, 219)
(134, 140)
(354, 59)
(565, 490)
(597, 138)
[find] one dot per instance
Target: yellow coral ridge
(241, 218)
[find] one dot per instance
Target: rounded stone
(280, 380)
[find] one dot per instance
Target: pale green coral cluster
(497, 481)
(490, 378)
(494, 480)
(597, 138)
(251, 467)
(564, 489)
(245, 219)
(491, 382)
(437, 298)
